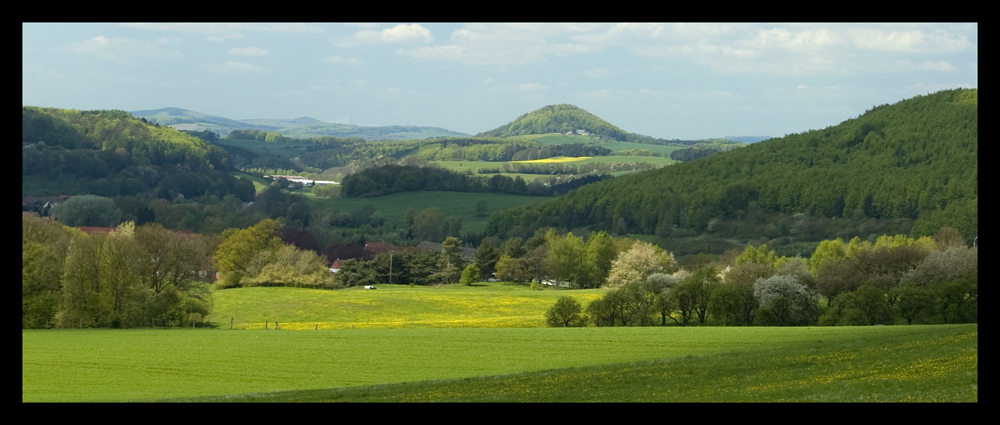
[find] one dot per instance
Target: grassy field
(485, 305)
(462, 204)
(889, 363)
(933, 364)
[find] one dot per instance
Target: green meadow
(890, 363)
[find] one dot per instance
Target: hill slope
(916, 160)
(557, 119)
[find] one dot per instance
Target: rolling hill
(915, 162)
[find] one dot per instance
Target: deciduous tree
(566, 313)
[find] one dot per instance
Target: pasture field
(938, 364)
(259, 184)
(283, 150)
(393, 207)
(889, 363)
(484, 305)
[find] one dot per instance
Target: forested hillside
(914, 163)
(142, 165)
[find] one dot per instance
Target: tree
(729, 304)
(758, 255)
(450, 263)
(566, 313)
(172, 258)
(80, 283)
(486, 257)
(482, 208)
(786, 301)
(289, 266)
(636, 264)
(598, 255)
(88, 210)
(427, 224)
(835, 250)
(122, 297)
(234, 255)
(470, 275)
(512, 270)
(949, 237)
(692, 296)
(835, 277)
(564, 254)
(44, 248)
(914, 302)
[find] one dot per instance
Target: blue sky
(684, 81)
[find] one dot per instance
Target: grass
(890, 363)
(485, 305)
(931, 364)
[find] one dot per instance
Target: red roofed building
(90, 230)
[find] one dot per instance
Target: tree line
(896, 279)
(131, 277)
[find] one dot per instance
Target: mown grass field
(890, 363)
(393, 207)
(485, 305)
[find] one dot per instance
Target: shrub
(566, 313)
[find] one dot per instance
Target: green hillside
(913, 165)
(557, 119)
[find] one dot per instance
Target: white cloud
(239, 67)
(338, 59)
(600, 94)
(793, 40)
(914, 41)
(227, 31)
(446, 52)
(654, 92)
(401, 33)
(596, 73)
(937, 66)
(509, 43)
(248, 51)
(123, 49)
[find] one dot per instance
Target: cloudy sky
(684, 81)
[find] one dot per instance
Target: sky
(671, 81)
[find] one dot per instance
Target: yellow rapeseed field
(558, 159)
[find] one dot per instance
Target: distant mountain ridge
(297, 127)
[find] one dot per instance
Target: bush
(566, 313)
